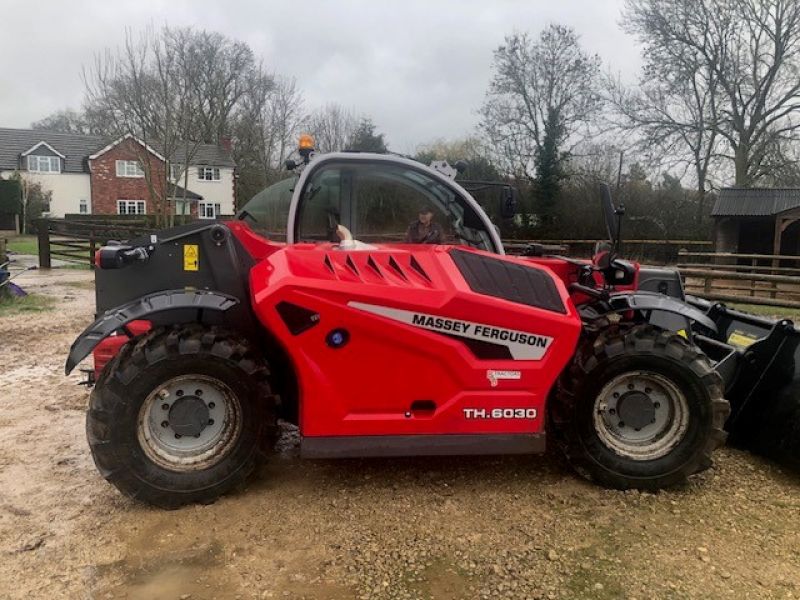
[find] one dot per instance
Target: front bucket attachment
(758, 358)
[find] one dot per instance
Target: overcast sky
(419, 68)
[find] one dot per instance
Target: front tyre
(181, 415)
(639, 408)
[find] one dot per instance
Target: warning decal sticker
(191, 257)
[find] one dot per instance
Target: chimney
(226, 142)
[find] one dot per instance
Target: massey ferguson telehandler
(207, 334)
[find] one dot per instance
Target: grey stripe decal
(522, 345)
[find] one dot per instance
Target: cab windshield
(379, 202)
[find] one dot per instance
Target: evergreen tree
(365, 139)
(550, 170)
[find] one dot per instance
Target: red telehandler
(208, 333)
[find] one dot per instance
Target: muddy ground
(416, 528)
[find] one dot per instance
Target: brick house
(88, 175)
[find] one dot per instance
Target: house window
(83, 206)
(176, 172)
(130, 207)
(44, 164)
(208, 210)
(183, 207)
(208, 173)
(129, 168)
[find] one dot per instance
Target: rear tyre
(639, 408)
(181, 415)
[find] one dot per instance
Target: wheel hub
(636, 409)
(189, 422)
(188, 416)
(641, 415)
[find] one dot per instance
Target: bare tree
(671, 119)
(64, 121)
(333, 127)
(541, 87)
(157, 88)
(267, 122)
(748, 56)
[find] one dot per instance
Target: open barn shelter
(757, 221)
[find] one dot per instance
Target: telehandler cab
(208, 333)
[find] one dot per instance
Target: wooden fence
(748, 278)
(76, 241)
(651, 251)
(765, 279)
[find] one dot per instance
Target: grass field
(23, 244)
(27, 304)
(775, 312)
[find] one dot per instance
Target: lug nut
(615, 394)
(179, 393)
(198, 393)
(165, 406)
(177, 436)
(611, 411)
(656, 404)
(630, 386)
(164, 424)
(647, 390)
(211, 405)
(211, 421)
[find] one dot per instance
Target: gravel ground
(515, 527)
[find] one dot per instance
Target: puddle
(198, 574)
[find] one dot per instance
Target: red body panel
(108, 348)
(367, 387)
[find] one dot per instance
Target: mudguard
(193, 301)
(646, 301)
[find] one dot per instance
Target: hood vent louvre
(396, 267)
(374, 266)
(418, 268)
(352, 266)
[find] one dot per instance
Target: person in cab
(424, 230)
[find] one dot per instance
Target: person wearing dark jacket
(424, 230)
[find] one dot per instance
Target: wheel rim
(641, 415)
(189, 423)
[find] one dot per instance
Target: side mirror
(290, 164)
(613, 216)
(508, 207)
(610, 213)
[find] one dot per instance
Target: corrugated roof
(77, 148)
(74, 147)
(755, 202)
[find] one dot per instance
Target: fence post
(43, 233)
(92, 250)
(707, 282)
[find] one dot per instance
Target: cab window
(268, 211)
(380, 202)
(387, 202)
